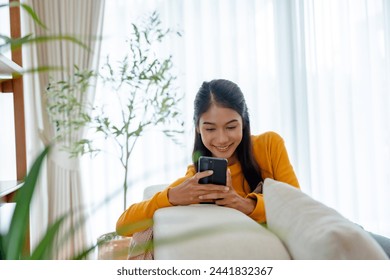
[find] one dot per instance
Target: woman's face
(221, 132)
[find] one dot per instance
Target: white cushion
(311, 230)
(199, 232)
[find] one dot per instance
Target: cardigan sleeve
(272, 157)
(258, 214)
(139, 216)
(282, 168)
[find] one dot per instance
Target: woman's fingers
(202, 174)
(191, 191)
(229, 179)
(211, 191)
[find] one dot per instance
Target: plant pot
(113, 246)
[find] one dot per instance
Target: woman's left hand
(231, 198)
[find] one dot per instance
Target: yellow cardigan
(270, 154)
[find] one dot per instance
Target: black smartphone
(218, 165)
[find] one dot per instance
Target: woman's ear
(197, 129)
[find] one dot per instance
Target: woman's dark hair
(227, 94)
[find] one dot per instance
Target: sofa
(298, 227)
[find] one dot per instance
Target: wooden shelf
(9, 187)
(14, 84)
(11, 81)
(8, 68)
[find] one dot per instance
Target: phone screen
(218, 165)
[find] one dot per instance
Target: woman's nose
(222, 137)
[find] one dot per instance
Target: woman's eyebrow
(232, 121)
(229, 122)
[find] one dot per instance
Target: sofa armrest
(212, 232)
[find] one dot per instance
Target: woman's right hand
(190, 190)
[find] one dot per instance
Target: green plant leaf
(27, 9)
(43, 250)
(39, 69)
(86, 252)
(45, 68)
(2, 248)
(19, 42)
(32, 14)
(14, 239)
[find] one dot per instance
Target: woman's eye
(231, 127)
(210, 129)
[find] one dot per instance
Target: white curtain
(62, 191)
(347, 52)
(314, 71)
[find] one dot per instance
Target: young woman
(222, 130)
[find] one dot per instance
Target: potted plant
(142, 83)
(144, 86)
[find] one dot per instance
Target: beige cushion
(311, 230)
(200, 232)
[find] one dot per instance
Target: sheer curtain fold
(348, 88)
(65, 194)
(292, 82)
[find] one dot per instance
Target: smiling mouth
(222, 148)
